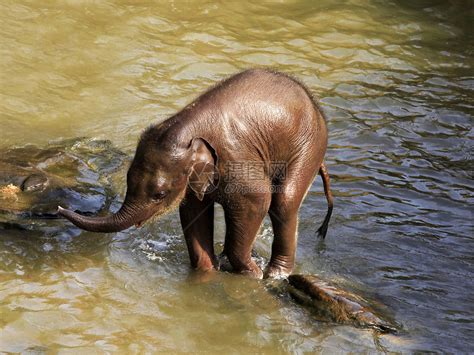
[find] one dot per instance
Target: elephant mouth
(139, 224)
(144, 219)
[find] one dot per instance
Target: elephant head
(160, 175)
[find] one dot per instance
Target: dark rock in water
(76, 173)
(329, 302)
(35, 182)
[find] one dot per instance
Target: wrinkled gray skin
(254, 116)
(331, 302)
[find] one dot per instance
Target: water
(395, 79)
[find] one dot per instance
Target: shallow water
(395, 79)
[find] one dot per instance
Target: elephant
(253, 143)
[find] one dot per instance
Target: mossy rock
(75, 173)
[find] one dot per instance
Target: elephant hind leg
(284, 242)
(284, 216)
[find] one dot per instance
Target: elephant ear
(203, 175)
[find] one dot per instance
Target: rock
(75, 173)
(328, 302)
(35, 182)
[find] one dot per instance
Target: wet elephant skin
(254, 119)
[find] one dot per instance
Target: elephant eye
(159, 196)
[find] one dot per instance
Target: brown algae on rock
(9, 191)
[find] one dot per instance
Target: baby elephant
(253, 143)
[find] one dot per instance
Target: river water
(396, 81)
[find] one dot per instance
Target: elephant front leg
(242, 226)
(197, 221)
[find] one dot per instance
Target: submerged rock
(328, 302)
(75, 173)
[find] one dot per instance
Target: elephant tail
(323, 171)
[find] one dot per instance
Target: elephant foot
(202, 276)
(256, 274)
(205, 268)
(225, 265)
(277, 272)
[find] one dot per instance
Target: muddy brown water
(395, 79)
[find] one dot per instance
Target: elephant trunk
(127, 216)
